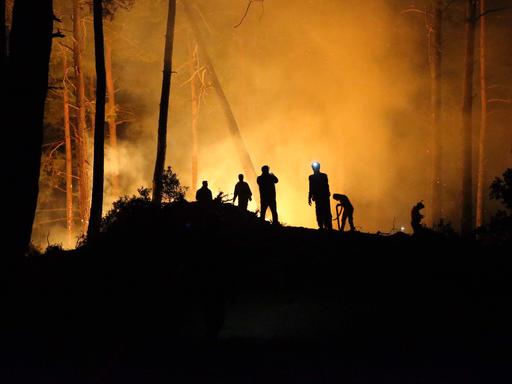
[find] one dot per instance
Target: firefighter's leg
(343, 220)
(318, 212)
(328, 216)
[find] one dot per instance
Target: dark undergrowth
(188, 293)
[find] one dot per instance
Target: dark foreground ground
(193, 296)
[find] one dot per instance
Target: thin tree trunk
(480, 187)
(67, 141)
(194, 84)
(81, 134)
(245, 158)
(164, 105)
(3, 37)
(467, 126)
(111, 118)
(99, 124)
(435, 52)
(24, 89)
(91, 111)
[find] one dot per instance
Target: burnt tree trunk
(467, 125)
(91, 110)
(480, 185)
(435, 59)
(69, 149)
(81, 125)
(164, 105)
(24, 88)
(195, 92)
(99, 123)
(234, 130)
(111, 118)
(3, 37)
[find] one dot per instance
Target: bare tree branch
(247, 11)
(505, 101)
(412, 9)
(493, 10)
(58, 34)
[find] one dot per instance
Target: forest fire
(255, 190)
(352, 89)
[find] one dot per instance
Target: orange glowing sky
(342, 83)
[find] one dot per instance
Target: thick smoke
(307, 81)
(345, 83)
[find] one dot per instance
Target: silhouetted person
(267, 185)
(416, 217)
(348, 211)
(203, 194)
(320, 194)
(243, 192)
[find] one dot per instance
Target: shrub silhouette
(172, 190)
(501, 189)
(499, 229)
(127, 208)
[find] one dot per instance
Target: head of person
(241, 177)
(316, 166)
(265, 169)
(205, 183)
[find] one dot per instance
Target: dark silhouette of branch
(247, 11)
(58, 34)
(494, 10)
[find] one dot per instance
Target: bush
(499, 229)
(445, 228)
(127, 207)
(501, 189)
(171, 187)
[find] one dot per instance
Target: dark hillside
(195, 294)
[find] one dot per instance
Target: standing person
(203, 194)
(319, 192)
(267, 184)
(243, 192)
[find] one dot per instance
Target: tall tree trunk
(194, 85)
(91, 110)
(67, 141)
(81, 134)
(99, 123)
(480, 186)
(3, 37)
(164, 105)
(435, 53)
(467, 126)
(24, 88)
(111, 118)
(245, 158)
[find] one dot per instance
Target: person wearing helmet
(319, 193)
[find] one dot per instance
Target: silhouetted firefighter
(203, 194)
(348, 211)
(416, 217)
(267, 184)
(319, 192)
(243, 192)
